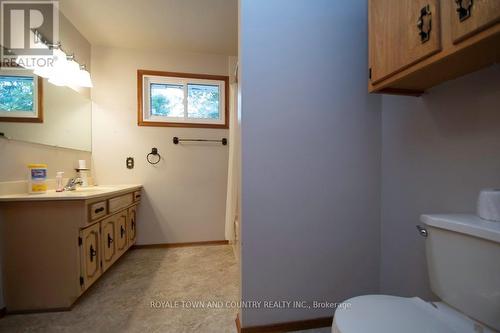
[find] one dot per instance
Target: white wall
(438, 152)
(184, 195)
(311, 156)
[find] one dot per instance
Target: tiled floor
(121, 300)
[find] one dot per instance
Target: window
(182, 100)
(20, 97)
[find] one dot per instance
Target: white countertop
(81, 193)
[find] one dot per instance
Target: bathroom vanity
(56, 245)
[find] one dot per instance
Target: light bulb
(59, 74)
(73, 71)
(84, 79)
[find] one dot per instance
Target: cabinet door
(121, 232)
(471, 16)
(90, 255)
(396, 41)
(108, 227)
(131, 225)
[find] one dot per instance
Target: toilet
(463, 260)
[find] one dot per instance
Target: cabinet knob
(92, 253)
(122, 231)
(424, 23)
(98, 210)
(464, 8)
(110, 240)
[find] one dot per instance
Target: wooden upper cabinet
(402, 32)
(417, 44)
(471, 16)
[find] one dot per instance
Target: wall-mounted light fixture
(60, 68)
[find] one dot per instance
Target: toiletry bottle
(59, 181)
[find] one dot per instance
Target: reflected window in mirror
(20, 97)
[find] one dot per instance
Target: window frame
(37, 102)
(143, 98)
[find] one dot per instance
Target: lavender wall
(310, 156)
(438, 151)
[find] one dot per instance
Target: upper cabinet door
(402, 32)
(471, 16)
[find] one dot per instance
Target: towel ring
(154, 152)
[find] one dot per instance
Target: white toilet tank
(463, 259)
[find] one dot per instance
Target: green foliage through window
(167, 100)
(16, 93)
(203, 101)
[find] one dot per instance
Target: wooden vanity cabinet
(90, 254)
(417, 44)
(108, 243)
(55, 250)
(131, 225)
(114, 237)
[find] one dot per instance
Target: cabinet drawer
(98, 210)
(137, 195)
(115, 204)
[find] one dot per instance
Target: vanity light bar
(74, 74)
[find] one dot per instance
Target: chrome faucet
(72, 182)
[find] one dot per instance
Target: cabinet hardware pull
(110, 240)
(92, 253)
(122, 231)
(133, 224)
(464, 9)
(424, 24)
(98, 210)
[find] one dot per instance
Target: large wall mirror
(34, 110)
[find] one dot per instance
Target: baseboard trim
(285, 327)
(189, 244)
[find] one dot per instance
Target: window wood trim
(39, 117)
(140, 99)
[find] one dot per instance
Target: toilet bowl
(463, 255)
(391, 314)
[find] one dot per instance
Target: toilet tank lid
(466, 224)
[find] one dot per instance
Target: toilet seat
(391, 314)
